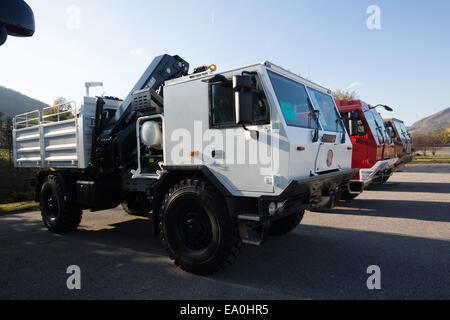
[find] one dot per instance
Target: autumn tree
(60, 111)
(432, 141)
(345, 95)
(422, 143)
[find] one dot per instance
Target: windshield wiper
(316, 117)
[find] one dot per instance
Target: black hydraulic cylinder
(162, 68)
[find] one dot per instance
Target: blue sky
(406, 64)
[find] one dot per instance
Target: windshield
(373, 125)
(293, 100)
(402, 131)
(329, 117)
(382, 126)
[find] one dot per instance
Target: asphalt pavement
(403, 227)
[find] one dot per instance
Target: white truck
(214, 159)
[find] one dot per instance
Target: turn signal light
(212, 68)
(301, 148)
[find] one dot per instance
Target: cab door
(335, 150)
(240, 157)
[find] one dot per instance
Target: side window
(353, 123)
(222, 105)
(261, 114)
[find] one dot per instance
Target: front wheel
(58, 214)
(197, 230)
(286, 224)
(347, 196)
(385, 179)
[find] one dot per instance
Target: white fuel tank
(151, 134)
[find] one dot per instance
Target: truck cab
(372, 148)
(294, 131)
(403, 144)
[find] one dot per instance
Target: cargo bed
(53, 137)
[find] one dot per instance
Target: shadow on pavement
(422, 187)
(426, 168)
(418, 210)
(125, 261)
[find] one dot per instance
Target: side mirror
(244, 107)
(16, 19)
(391, 132)
(357, 128)
(243, 87)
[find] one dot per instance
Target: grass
(439, 158)
(16, 193)
(17, 207)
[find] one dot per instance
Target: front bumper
(381, 169)
(318, 191)
(403, 160)
(310, 190)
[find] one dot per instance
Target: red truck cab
(373, 148)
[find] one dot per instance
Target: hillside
(440, 120)
(13, 102)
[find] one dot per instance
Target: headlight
(272, 208)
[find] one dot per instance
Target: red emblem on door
(330, 158)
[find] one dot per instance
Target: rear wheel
(287, 224)
(137, 205)
(197, 230)
(58, 213)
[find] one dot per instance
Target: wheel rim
(194, 228)
(51, 207)
(194, 231)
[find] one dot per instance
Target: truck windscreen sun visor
(293, 100)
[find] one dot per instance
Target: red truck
(373, 147)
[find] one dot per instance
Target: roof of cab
(394, 119)
(352, 104)
(266, 64)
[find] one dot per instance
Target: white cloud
(353, 85)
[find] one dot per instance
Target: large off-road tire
(197, 230)
(58, 213)
(137, 206)
(287, 224)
